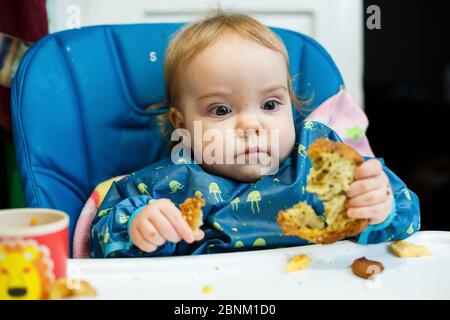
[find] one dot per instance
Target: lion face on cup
(25, 270)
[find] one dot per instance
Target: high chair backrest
(79, 100)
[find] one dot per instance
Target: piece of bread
(298, 263)
(404, 249)
(62, 290)
(191, 209)
(332, 172)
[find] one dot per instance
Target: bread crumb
(208, 289)
(404, 249)
(64, 288)
(298, 263)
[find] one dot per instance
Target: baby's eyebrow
(273, 88)
(227, 93)
(214, 94)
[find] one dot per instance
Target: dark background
(407, 99)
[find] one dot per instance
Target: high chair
(79, 100)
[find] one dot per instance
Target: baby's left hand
(370, 195)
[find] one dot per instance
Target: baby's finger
(141, 243)
(199, 235)
(388, 205)
(359, 187)
(363, 212)
(150, 233)
(370, 198)
(173, 214)
(165, 228)
(369, 212)
(370, 168)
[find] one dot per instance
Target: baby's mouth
(252, 150)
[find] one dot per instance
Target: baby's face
(236, 94)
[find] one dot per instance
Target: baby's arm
(393, 218)
(124, 219)
(109, 230)
(158, 222)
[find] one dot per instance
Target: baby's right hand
(158, 222)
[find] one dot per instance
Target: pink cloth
(81, 236)
(340, 113)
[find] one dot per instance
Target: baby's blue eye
(220, 111)
(270, 105)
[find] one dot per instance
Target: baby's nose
(249, 132)
(249, 127)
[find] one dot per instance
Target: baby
(230, 98)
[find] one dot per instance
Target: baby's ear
(176, 118)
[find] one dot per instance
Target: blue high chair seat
(79, 100)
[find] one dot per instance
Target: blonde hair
(190, 40)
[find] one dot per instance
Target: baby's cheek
(285, 142)
(214, 153)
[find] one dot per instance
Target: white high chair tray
(260, 274)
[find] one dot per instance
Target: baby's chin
(241, 172)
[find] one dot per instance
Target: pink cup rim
(61, 222)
